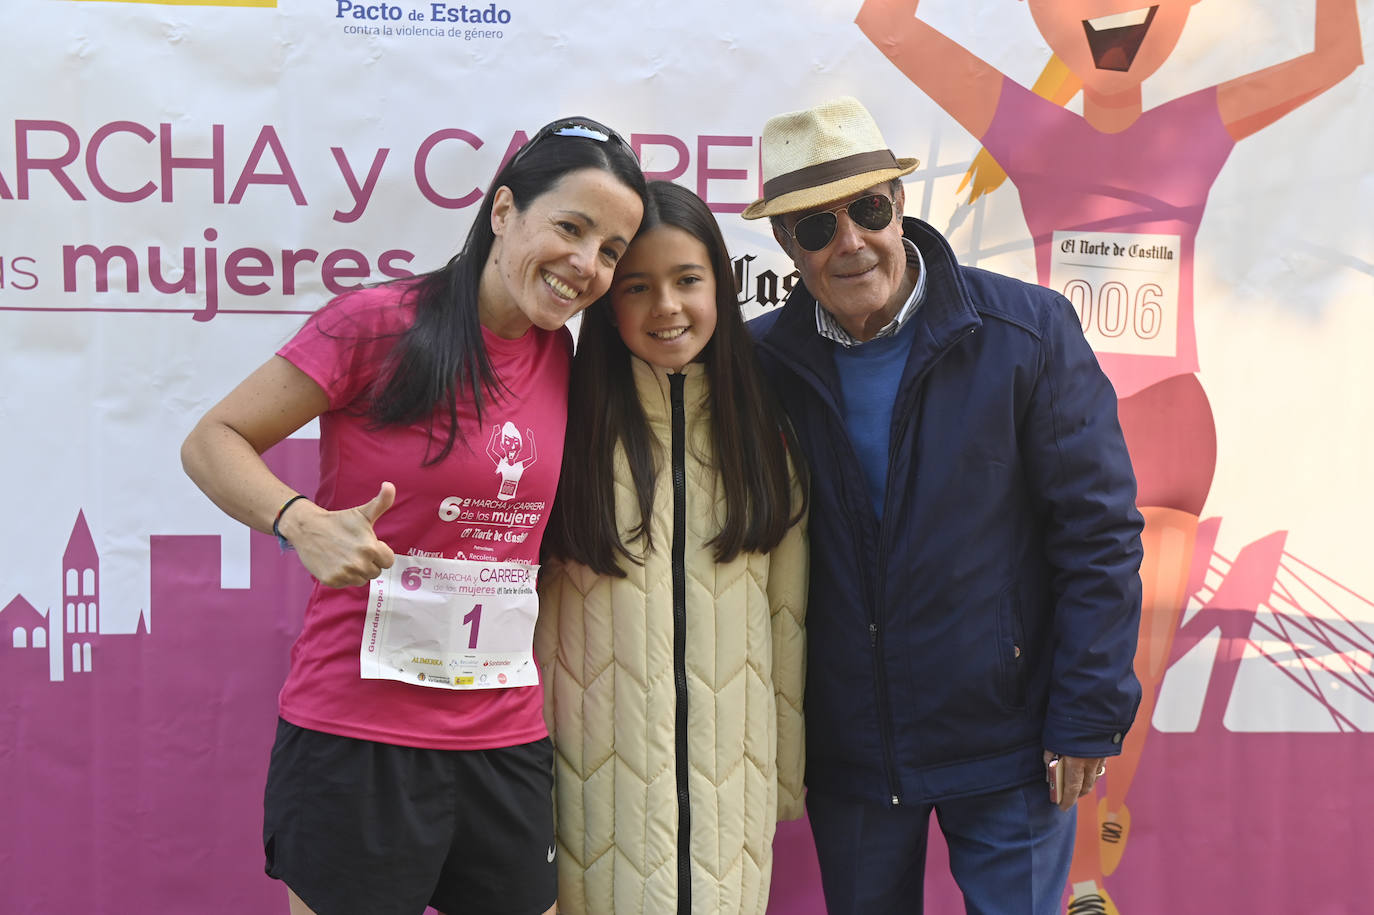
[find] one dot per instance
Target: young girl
(397, 780)
(671, 605)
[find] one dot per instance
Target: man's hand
(1079, 776)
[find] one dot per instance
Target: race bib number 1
(452, 624)
(1124, 288)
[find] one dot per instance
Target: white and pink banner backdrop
(181, 183)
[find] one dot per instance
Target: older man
(975, 592)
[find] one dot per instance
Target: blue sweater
(870, 374)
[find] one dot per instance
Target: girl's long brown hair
(751, 439)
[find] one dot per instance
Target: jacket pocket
(1011, 650)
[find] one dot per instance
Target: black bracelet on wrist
(276, 530)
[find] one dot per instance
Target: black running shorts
(355, 827)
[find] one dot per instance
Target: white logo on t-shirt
(505, 448)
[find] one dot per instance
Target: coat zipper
(884, 708)
(870, 604)
(885, 716)
(684, 807)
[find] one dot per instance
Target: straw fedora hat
(822, 154)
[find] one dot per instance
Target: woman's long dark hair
(441, 357)
(751, 440)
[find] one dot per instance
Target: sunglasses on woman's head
(816, 230)
(585, 128)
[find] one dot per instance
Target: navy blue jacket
(993, 611)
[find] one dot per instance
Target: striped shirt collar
(829, 328)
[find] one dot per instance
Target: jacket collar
(655, 391)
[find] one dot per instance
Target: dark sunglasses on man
(585, 128)
(816, 230)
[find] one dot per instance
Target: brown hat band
(826, 172)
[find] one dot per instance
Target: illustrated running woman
(1113, 200)
(506, 454)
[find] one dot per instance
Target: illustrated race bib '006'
(1124, 288)
(452, 624)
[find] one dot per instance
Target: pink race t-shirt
(503, 473)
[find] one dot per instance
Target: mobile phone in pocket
(1054, 775)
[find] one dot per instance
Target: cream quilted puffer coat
(614, 678)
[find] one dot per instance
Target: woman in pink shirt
(412, 766)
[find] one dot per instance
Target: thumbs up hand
(340, 548)
(374, 508)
